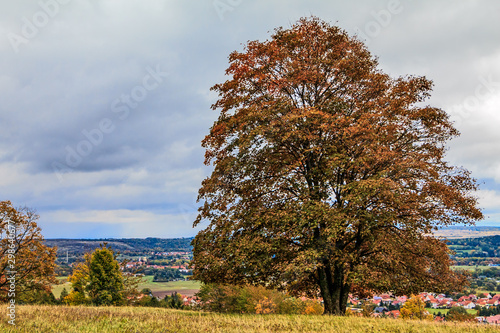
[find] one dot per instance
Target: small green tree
(147, 292)
(491, 286)
(105, 278)
(176, 301)
(64, 293)
(131, 282)
(99, 280)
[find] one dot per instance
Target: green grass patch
(445, 311)
(469, 268)
(167, 286)
(436, 311)
(63, 283)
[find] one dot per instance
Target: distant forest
(125, 246)
(476, 247)
(493, 241)
(482, 251)
(466, 248)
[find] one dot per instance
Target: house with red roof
(493, 319)
(394, 314)
(492, 302)
(467, 305)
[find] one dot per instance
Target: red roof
(493, 319)
(394, 313)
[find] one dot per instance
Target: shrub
(253, 299)
(458, 313)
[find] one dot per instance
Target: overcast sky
(103, 104)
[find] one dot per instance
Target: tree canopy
(22, 251)
(329, 175)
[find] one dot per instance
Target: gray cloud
(62, 84)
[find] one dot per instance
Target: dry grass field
(146, 320)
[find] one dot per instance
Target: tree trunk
(333, 289)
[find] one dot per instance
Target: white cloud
(478, 147)
(489, 199)
(133, 223)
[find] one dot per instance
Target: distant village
(143, 261)
(389, 305)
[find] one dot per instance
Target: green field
(445, 311)
(63, 283)
(469, 268)
(168, 287)
(156, 287)
(62, 319)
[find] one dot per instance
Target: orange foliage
(32, 261)
(329, 175)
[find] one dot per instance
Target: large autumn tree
(22, 251)
(329, 175)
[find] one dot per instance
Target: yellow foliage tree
(79, 280)
(313, 308)
(414, 308)
(265, 306)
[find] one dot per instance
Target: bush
(174, 301)
(252, 299)
(458, 313)
(313, 308)
(265, 306)
(291, 305)
(367, 309)
(37, 296)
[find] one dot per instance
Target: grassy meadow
(63, 283)
(32, 319)
(168, 287)
(445, 311)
